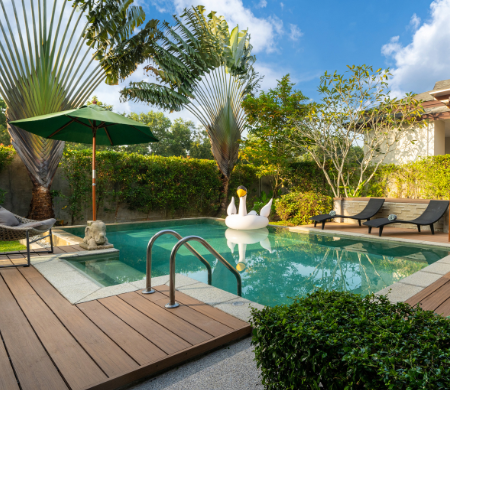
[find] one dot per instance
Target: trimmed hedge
(176, 185)
(296, 208)
(144, 183)
(340, 340)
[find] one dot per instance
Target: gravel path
(232, 367)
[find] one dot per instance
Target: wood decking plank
(139, 348)
(75, 365)
(157, 334)
(189, 315)
(428, 290)
(33, 367)
(158, 313)
(57, 250)
(110, 358)
(206, 309)
(435, 299)
(8, 380)
(444, 308)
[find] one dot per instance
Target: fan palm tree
(45, 67)
(204, 67)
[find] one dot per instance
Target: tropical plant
(271, 117)
(45, 67)
(4, 134)
(355, 108)
(201, 65)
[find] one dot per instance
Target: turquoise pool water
(275, 264)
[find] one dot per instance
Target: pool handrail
(172, 303)
(149, 252)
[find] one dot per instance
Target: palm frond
(44, 68)
(200, 65)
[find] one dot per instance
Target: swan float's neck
(243, 206)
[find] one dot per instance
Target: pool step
(111, 271)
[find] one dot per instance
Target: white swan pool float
(242, 220)
(244, 238)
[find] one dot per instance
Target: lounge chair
(434, 211)
(14, 227)
(374, 205)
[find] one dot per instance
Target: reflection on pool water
(275, 264)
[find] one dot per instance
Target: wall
(430, 140)
(413, 143)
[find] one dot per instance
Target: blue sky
(307, 38)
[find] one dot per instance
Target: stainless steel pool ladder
(183, 241)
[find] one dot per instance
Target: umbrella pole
(94, 214)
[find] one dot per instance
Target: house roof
(436, 102)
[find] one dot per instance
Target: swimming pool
(275, 264)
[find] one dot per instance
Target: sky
(307, 38)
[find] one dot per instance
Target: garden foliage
(340, 340)
(426, 178)
(6, 156)
(296, 208)
(175, 185)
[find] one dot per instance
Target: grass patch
(11, 246)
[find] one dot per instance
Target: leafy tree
(200, 145)
(271, 117)
(355, 108)
(95, 100)
(4, 134)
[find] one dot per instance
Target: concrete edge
(325, 232)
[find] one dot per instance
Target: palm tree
(47, 64)
(204, 67)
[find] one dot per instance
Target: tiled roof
(426, 97)
(443, 84)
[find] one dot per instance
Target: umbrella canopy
(90, 124)
(78, 125)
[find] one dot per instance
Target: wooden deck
(435, 297)
(48, 343)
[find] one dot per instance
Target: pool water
(275, 264)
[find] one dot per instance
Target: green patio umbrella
(90, 124)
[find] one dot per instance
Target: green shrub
(340, 340)
(6, 156)
(296, 208)
(426, 178)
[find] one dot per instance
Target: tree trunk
(41, 207)
(224, 195)
(41, 158)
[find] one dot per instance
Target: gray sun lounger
(374, 205)
(19, 227)
(434, 211)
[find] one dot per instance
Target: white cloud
(418, 65)
(295, 32)
(264, 31)
(414, 22)
(262, 4)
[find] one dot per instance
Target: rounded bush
(296, 208)
(340, 340)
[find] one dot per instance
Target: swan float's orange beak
(241, 191)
